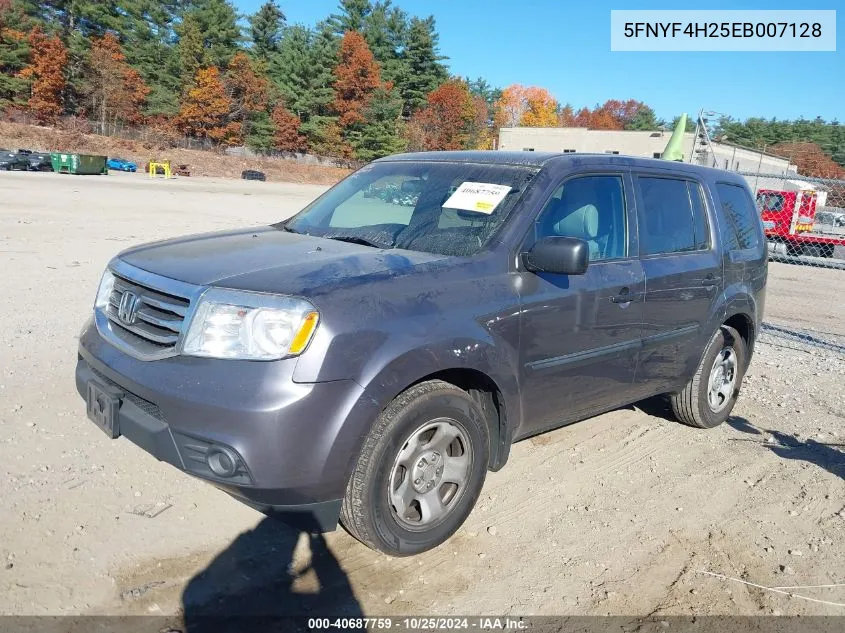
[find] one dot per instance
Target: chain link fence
(804, 221)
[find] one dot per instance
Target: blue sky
(564, 46)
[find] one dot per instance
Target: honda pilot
(369, 360)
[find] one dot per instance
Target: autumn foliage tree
(286, 137)
(810, 159)
(357, 75)
(616, 115)
(46, 71)
(527, 106)
(444, 124)
(115, 90)
(540, 108)
(247, 89)
(206, 108)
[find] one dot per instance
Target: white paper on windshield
(480, 197)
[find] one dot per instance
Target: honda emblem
(128, 309)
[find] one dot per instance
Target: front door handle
(624, 296)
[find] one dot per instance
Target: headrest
(582, 223)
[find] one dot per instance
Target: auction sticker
(480, 197)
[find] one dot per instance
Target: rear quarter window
(740, 214)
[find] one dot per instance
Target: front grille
(158, 317)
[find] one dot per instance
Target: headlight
(249, 325)
(104, 291)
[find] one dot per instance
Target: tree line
(366, 81)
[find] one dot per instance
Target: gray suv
(370, 359)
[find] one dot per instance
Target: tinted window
(740, 214)
(591, 208)
(673, 216)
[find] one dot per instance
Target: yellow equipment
(153, 167)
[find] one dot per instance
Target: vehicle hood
(271, 260)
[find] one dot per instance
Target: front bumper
(297, 442)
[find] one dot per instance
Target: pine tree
(379, 133)
(260, 132)
(14, 52)
(290, 71)
(353, 14)
(423, 72)
(644, 119)
(303, 71)
(190, 49)
(385, 30)
(217, 21)
(483, 89)
(265, 29)
(148, 40)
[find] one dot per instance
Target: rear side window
(741, 216)
(673, 218)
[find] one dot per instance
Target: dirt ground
(628, 513)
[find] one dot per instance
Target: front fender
(382, 381)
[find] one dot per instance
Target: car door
(580, 333)
(683, 272)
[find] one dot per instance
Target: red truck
(796, 221)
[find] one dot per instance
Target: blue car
(119, 164)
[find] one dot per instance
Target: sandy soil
(628, 513)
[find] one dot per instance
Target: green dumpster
(83, 164)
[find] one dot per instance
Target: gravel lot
(628, 513)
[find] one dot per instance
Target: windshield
(444, 208)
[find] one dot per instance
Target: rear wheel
(420, 472)
(708, 398)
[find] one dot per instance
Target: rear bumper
(296, 442)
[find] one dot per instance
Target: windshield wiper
(355, 239)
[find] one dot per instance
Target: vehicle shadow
(829, 456)
(656, 406)
(256, 584)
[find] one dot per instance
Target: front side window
(590, 208)
(673, 217)
(741, 216)
(770, 201)
(434, 207)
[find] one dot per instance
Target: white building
(636, 143)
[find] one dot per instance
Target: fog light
(222, 461)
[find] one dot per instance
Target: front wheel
(420, 472)
(708, 398)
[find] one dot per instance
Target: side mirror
(559, 255)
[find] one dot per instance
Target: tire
(692, 405)
(390, 461)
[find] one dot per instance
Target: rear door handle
(711, 280)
